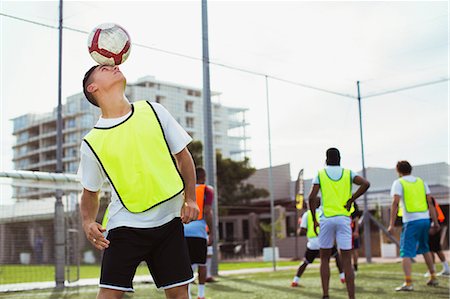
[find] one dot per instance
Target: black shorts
(356, 243)
(435, 242)
(163, 248)
(198, 248)
(310, 255)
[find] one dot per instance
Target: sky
(330, 45)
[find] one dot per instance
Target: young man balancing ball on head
(141, 150)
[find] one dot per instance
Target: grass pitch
(373, 281)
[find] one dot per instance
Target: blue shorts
(414, 238)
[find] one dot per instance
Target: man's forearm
(361, 190)
(187, 171)
(394, 210)
(89, 206)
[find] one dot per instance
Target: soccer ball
(109, 44)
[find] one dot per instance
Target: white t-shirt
(313, 243)
(92, 176)
(335, 173)
(397, 189)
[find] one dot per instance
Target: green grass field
(30, 273)
(373, 281)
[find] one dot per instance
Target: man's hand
(436, 226)
(348, 205)
(94, 233)
(210, 239)
(391, 229)
(189, 211)
(316, 225)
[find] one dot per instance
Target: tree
(231, 189)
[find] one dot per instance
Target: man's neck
(116, 107)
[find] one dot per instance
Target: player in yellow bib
(335, 184)
(413, 196)
(140, 150)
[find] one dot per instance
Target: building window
(197, 93)
(189, 106)
(190, 92)
(229, 231)
(189, 122)
(70, 123)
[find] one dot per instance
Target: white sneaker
(427, 274)
(405, 288)
(443, 273)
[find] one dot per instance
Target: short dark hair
(87, 80)
(404, 167)
(333, 156)
(200, 173)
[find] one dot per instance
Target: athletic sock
(408, 280)
(201, 290)
(445, 265)
(296, 279)
(433, 275)
(342, 275)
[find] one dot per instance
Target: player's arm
(314, 203)
(394, 211)
(185, 164)
(432, 210)
(363, 186)
(89, 209)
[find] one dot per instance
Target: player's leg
(445, 269)
(335, 254)
(326, 241)
(355, 254)
(169, 261)
(422, 228)
(120, 260)
(408, 243)
(348, 270)
(109, 294)
(325, 255)
(344, 242)
(201, 280)
(179, 292)
(310, 256)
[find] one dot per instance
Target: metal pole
(367, 245)
(272, 200)
(59, 225)
(208, 133)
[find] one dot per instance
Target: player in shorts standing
(141, 151)
(335, 185)
(413, 196)
(313, 248)
(195, 231)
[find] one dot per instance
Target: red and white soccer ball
(109, 44)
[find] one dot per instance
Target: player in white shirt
(140, 150)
